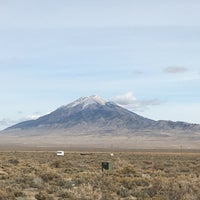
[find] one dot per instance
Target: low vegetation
(78, 176)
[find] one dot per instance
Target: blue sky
(142, 54)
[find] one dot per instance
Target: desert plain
(36, 174)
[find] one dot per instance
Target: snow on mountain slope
(84, 102)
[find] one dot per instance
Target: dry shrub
(128, 170)
(41, 196)
(49, 176)
(85, 192)
(6, 195)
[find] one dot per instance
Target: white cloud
(137, 72)
(175, 70)
(125, 99)
(130, 102)
(6, 122)
(32, 116)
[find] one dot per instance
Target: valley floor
(77, 141)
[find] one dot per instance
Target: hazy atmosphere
(143, 55)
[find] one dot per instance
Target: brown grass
(76, 176)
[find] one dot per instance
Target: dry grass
(45, 176)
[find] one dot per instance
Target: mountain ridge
(96, 113)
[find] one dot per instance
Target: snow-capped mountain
(95, 115)
(86, 101)
(87, 113)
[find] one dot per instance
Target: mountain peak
(86, 101)
(97, 99)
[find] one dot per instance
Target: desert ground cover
(78, 176)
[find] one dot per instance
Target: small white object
(60, 153)
(112, 154)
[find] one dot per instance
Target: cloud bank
(130, 102)
(6, 122)
(175, 70)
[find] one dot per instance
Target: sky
(143, 55)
